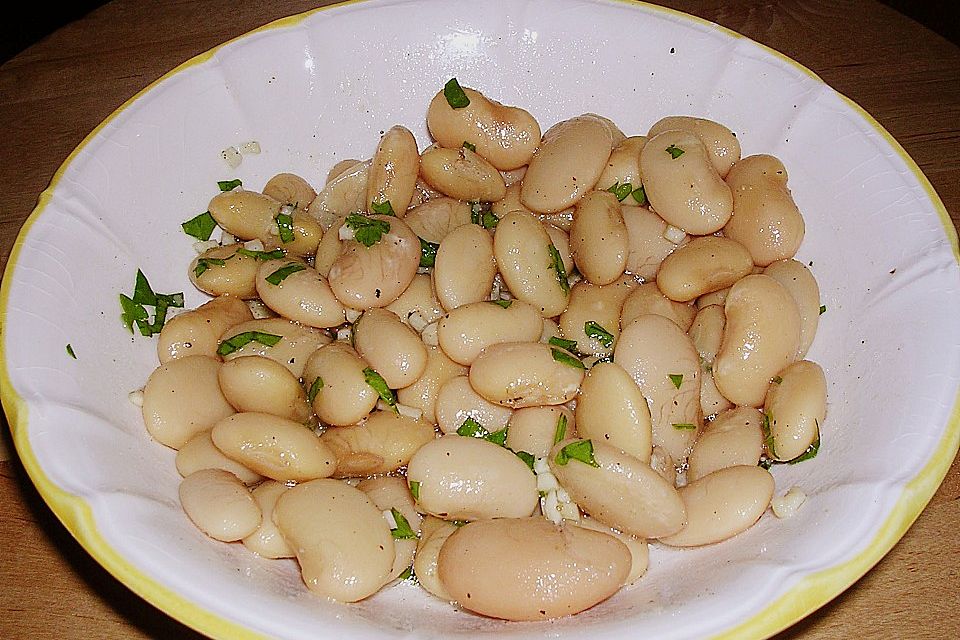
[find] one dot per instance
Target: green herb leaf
(454, 94)
(459, 523)
(469, 145)
(134, 309)
(581, 450)
(561, 431)
(428, 253)
(765, 462)
(528, 458)
(569, 345)
(503, 304)
(621, 190)
(688, 426)
(415, 490)
(594, 330)
(285, 227)
(142, 292)
(200, 227)
(314, 389)
(230, 345)
(768, 439)
(204, 263)
(403, 531)
(823, 309)
(811, 451)
(70, 351)
(640, 195)
(367, 231)
(383, 208)
(489, 220)
(556, 263)
(284, 272)
(132, 312)
(565, 358)
(776, 379)
(229, 185)
(408, 574)
(676, 379)
(471, 429)
(276, 254)
(675, 151)
(476, 211)
(379, 385)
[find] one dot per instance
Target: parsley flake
(205, 263)
(403, 531)
(240, 340)
(455, 95)
(676, 379)
(200, 227)
(428, 253)
(581, 450)
(134, 310)
(367, 231)
(685, 426)
(621, 190)
(561, 431)
(284, 272)
(284, 226)
(639, 195)
(415, 489)
(594, 330)
(314, 389)
(503, 304)
(469, 145)
(70, 351)
(229, 185)
(379, 385)
(674, 151)
(565, 358)
(556, 263)
(569, 345)
(383, 208)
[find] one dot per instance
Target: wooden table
(54, 93)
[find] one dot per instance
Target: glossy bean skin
(505, 136)
(382, 443)
(392, 348)
(244, 214)
(464, 267)
(567, 164)
(423, 393)
(733, 438)
(722, 504)
(306, 231)
(469, 329)
(393, 170)
(457, 401)
(259, 384)
(535, 429)
(198, 331)
(182, 398)
(611, 408)
(639, 549)
(344, 194)
(200, 453)
(465, 478)
(274, 447)
(560, 240)
(685, 190)
(219, 504)
(652, 349)
(648, 299)
(522, 249)
(801, 284)
(765, 219)
(761, 337)
(623, 166)
(599, 304)
(344, 397)
(531, 569)
(621, 491)
(367, 277)
(433, 533)
(303, 296)
(436, 218)
(462, 174)
(417, 298)
(525, 374)
(341, 540)
(224, 272)
(296, 343)
(290, 188)
(647, 244)
(704, 265)
(267, 541)
(707, 335)
(598, 238)
(795, 407)
(388, 493)
(328, 250)
(721, 143)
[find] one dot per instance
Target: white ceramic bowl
(320, 87)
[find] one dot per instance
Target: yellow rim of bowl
(812, 592)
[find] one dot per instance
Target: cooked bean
(600, 306)
(647, 298)
(535, 429)
(457, 401)
(621, 491)
(523, 252)
(200, 453)
(648, 242)
(706, 331)
(382, 443)
(801, 284)
(436, 218)
(462, 174)
(342, 542)
(509, 202)
(329, 249)
(297, 292)
(663, 362)
(222, 271)
(296, 342)
(611, 408)
(526, 374)
(765, 219)
(464, 268)
(623, 166)
(712, 401)
(721, 143)
(390, 493)
(761, 337)
(219, 504)
(392, 348)
(465, 478)
(796, 405)
(290, 188)
(306, 235)
(198, 331)
(343, 396)
(346, 193)
(433, 533)
(469, 329)
(567, 164)
(259, 384)
(733, 438)
(367, 277)
(244, 214)
(531, 569)
(682, 185)
(702, 266)
(722, 504)
(560, 240)
(418, 303)
(267, 541)
(393, 171)
(598, 238)
(639, 549)
(182, 398)
(423, 393)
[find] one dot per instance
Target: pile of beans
(502, 364)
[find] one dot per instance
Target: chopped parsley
(205, 263)
(200, 227)
(565, 358)
(314, 389)
(556, 263)
(469, 145)
(383, 208)
(379, 385)
(594, 330)
(240, 340)
(415, 489)
(561, 431)
(685, 426)
(480, 214)
(276, 254)
(408, 574)
(676, 379)
(823, 309)
(768, 439)
(621, 190)
(473, 429)
(403, 530)
(812, 450)
(503, 304)
(581, 450)
(640, 195)
(528, 458)
(367, 231)
(776, 379)
(284, 272)
(428, 253)
(455, 95)
(285, 226)
(674, 151)
(134, 310)
(229, 185)
(70, 351)
(569, 345)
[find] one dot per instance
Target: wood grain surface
(57, 91)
